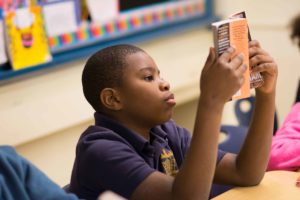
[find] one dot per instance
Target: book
(26, 41)
(234, 32)
(256, 79)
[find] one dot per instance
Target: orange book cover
(256, 79)
(234, 32)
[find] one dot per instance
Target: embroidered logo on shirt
(168, 162)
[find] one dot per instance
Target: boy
(135, 150)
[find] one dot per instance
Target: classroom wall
(54, 153)
(269, 23)
(275, 13)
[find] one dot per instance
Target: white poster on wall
(102, 11)
(60, 17)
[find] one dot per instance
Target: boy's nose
(164, 85)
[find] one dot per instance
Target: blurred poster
(26, 40)
(61, 16)
(3, 57)
(102, 11)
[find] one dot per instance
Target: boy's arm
(248, 167)
(220, 79)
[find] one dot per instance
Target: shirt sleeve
(220, 155)
(112, 165)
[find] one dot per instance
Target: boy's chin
(167, 118)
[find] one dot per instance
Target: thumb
(210, 59)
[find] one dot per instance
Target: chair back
(244, 108)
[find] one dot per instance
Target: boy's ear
(110, 98)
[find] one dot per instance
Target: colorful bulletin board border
(132, 26)
(127, 23)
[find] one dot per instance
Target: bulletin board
(136, 23)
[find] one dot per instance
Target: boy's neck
(144, 132)
(139, 129)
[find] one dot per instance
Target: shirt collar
(137, 141)
(159, 134)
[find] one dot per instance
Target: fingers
(254, 43)
(255, 50)
(241, 69)
(222, 75)
(226, 56)
(260, 60)
(238, 67)
(265, 67)
(212, 55)
(233, 63)
(237, 61)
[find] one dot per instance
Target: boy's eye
(148, 78)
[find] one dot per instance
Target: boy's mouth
(171, 99)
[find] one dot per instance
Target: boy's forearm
(196, 175)
(254, 155)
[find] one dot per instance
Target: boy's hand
(261, 61)
(222, 77)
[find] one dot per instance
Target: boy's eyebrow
(150, 69)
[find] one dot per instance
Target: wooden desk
(276, 185)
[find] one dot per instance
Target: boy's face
(146, 97)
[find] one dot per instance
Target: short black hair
(295, 32)
(104, 69)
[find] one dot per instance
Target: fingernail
(241, 55)
(230, 49)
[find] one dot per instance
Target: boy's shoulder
(107, 131)
(115, 131)
(95, 132)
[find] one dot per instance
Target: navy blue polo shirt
(112, 157)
